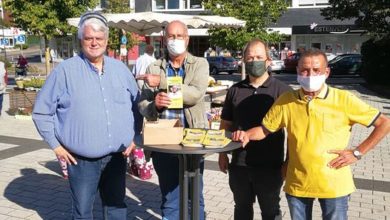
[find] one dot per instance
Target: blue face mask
(255, 68)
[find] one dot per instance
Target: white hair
(96, 24)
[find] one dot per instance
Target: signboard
(325, 29)
(4, 41)
(20, 39)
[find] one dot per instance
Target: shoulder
(340, 94)
(283, 87)
(196, 60)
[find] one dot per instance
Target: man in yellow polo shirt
(318, 120)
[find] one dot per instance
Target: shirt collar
(322, 95)
(266, 84)
(91, 66)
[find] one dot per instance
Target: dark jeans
(1, 102)
(106, 174)
(249, 183)
(167, 169)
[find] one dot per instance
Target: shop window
(195, 4)
(316, 45)
(160, 4)
(173, 4)
(306, 2)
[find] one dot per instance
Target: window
(160, 4)
(195, 4)
(173, 4)
(177, 5)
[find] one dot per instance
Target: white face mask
(176, 47)
(311, 83)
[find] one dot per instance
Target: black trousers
(247, 184)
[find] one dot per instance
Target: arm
(253, 134)
(346, 157)
(147, 105)
(223, 159)
(45, 108)
(196, 88)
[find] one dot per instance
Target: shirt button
(109, 135)
(109, 146)
(109, 123)
(105, 100)
(103, 88)
(107, 111)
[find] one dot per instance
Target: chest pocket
(121, 95)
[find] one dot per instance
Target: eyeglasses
(178, 37)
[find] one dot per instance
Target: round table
(189, 171)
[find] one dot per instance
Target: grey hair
(96, 24)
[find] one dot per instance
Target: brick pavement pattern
(31, 186)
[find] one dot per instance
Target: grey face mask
(255, 68)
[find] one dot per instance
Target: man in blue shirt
(87, 113)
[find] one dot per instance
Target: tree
(257, 14)
(372, 15)
(46, 18)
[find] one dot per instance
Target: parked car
(346, 64)
(222, 64)
(330, 56)
(291, 63)
(276, 66)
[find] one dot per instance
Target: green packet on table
(208, 139)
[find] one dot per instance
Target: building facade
(306, 28)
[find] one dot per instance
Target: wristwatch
(357, 154)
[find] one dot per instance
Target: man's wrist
(357, 153)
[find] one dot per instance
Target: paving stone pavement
(31, 186)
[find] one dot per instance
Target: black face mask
(255, 68)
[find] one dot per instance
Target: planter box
(22, 99)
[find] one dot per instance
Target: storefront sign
(324, 29)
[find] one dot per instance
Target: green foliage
(46, 17)
(115, 35)
(34, 82)
(375, 60)
(6, 62)
(372, 15)
(257, 14)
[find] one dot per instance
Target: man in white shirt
(142, 62)
(3, 84)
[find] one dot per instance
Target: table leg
(183, 182)
(195, 184)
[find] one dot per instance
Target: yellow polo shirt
(314, 127)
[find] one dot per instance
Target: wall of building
(330, 43)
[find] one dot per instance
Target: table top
(216, 89)
(180, 149)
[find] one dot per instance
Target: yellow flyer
(175, 92)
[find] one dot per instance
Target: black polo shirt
(245, 106)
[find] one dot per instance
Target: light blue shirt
(89, 114)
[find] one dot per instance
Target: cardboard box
(162, 132)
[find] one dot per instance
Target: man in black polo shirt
(255, 171)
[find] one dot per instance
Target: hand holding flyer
(175, 93)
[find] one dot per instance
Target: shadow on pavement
(48, 195)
